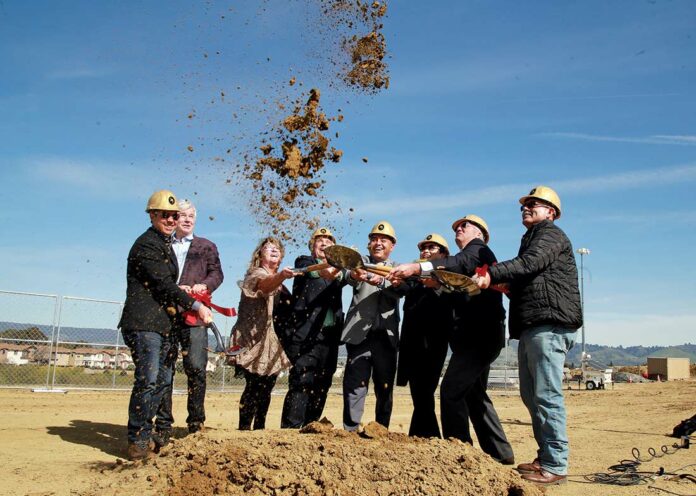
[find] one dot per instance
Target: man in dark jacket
(545, 314)
(152, 299)
(478, 335)
(312, 334)
(199, 272)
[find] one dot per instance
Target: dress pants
(376, 357)
(463, 397)
(255, 400)
(423, 383)
(311, 375)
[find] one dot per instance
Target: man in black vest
(478, 336)
(313, 333)
(152, 299)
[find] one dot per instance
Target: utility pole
(582, 252)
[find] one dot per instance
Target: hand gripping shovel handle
(311, 268)
(482, 271)
(380, 270)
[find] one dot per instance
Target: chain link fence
(50, 341)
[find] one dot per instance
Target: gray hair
(185, 204)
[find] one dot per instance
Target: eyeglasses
(531, 205)
(164, 214)
(430, 248)
(461, 226)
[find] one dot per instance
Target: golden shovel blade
(343, 257)
(347, 258)
(458, 282)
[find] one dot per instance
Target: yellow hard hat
(322, 231)
(162, 200)
(437, 239)
(545, 194)
(477, 221)
(385, 228)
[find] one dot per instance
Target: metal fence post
(57, 338)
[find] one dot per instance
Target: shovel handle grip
(311, 268)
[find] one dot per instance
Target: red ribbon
(482, 271)
(191, 316)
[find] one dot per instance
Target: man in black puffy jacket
(545, 314)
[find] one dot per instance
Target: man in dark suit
(424, 341)
(199, 272)
(478, 336)
(313, 332)
(152, 299)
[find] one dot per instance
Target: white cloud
(405, 204)
(656, 139)
(639, 329)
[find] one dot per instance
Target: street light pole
(582, 252)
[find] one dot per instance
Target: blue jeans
(194, 344)
(541, 355)
(153, 377)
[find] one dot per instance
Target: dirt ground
(71, 443)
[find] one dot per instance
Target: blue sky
(487, 99)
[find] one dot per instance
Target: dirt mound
(335, 462)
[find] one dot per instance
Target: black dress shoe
(507, 461)
(194, 427)
(545, 478)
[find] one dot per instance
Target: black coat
(543, 281)
(477, 318)
(152, 295)
(312, 297)
(425, 331)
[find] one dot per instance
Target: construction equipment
(595, 375)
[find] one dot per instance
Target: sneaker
(138, 451)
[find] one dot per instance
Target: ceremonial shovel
(347, 258)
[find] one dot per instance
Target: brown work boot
(545, 478)
(529, 468)
(137, 451)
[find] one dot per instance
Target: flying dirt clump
(287, 173)
(332, 462)
(367, 48)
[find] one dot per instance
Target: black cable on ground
(626, 472)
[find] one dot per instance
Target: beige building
(668, 369)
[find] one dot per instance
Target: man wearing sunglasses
(545, 314)
(152, 300)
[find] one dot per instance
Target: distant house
(14, 354)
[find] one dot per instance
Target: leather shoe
(529, 468)
(194, 427)
(161, 439)
(137, 451)
(545, 478)
(507, 461)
